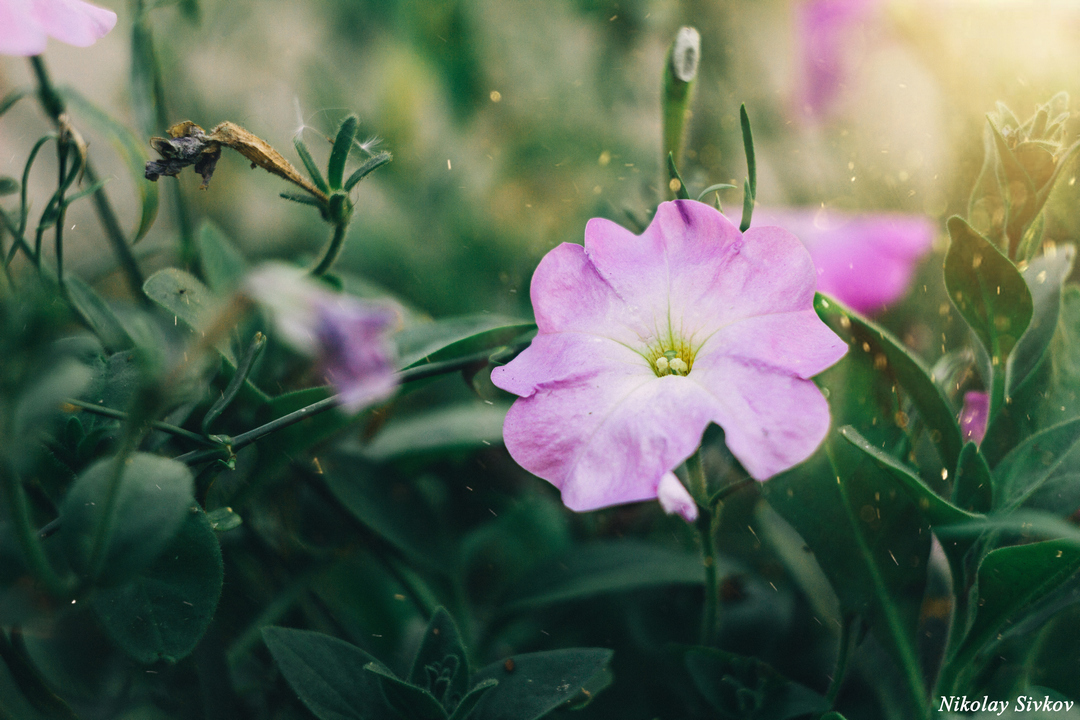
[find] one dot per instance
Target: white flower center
(667, 361)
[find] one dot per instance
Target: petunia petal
(604, 440)
(20, 33)
(675, 498)
(568, 358)
(795, 343)
(771, 420)
(72, 21)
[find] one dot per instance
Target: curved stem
(155, 424)
(333, 249)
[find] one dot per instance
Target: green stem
(707, 524)
(238, 442)
(54, 107)
(62, 147)
(155, 424)
(333, 249)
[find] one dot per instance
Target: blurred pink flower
(645, 340)
(974, 416)
(865, 261)
(829, 46)
(25, 25)
(348, 337)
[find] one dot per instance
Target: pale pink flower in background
(831, 41)
(866, 261)
(25, 25)
(645, 340)
(348, 337)
(974, 416)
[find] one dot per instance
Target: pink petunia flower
(348, 337)
(828, 35)
(645, 340)
(25, 25)
(864, 261)
(974, 416)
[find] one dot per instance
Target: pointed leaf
(184, 295)
(987, 289)
(340, 153)
(221, 263)
(328, 674)
(162, 613)
(441, 666)
(408, 700)
(456, 337)
(369, 166)
(973, 488)
(750, 189)
(912, 375)
(309, 164)
(1031, 463)
(472, 698)
(533, 685)
(676, 182)
(1044, 278)
(98, 315)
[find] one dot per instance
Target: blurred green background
(514, 121)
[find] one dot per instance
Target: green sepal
(372, 164)
(343, 143)
(309, 163)
(673, 173)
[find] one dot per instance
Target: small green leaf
(455, 337)
(9, 100)
(8, 185)
(441, 666)
(162, 613)
(745, 687)
(1010, 580)
(309, 163)
(464, 426)
(533, 685)
(222, 264)
(750, 188)
(154, 497)
(340, 153)
(472, 698)
(328, 674)
(1031, 463)
(408, 700)
(184, 295)
(973, 488)
(991, 295)
(372, 164)
(98, 315)
(224, 519)
(1044, 278)
(608, 567)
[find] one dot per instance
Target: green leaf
(608, 567)
(973, 488)
(309, 163)
(224, 519)
(153, 498)
(340, 153)
(393, 509)
(98, 315)
(1031, 463)
(371, 165)
(1010, 580)
(8, 185)
(9, 100)
(750, 188)
(1044, 278)
(936, 509)
(912, 375)
(455, 337)
(455, 428)
(221, 263)
(441, 666)
(744, 687)
(328, 674)
(183, 295)
(131, 150)
(162, 613)
(533, 685)
(408, 700)
(472, 698)
(868, 537)
(990, 294)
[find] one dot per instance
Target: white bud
(685, 53)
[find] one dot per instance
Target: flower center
(670, 357)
